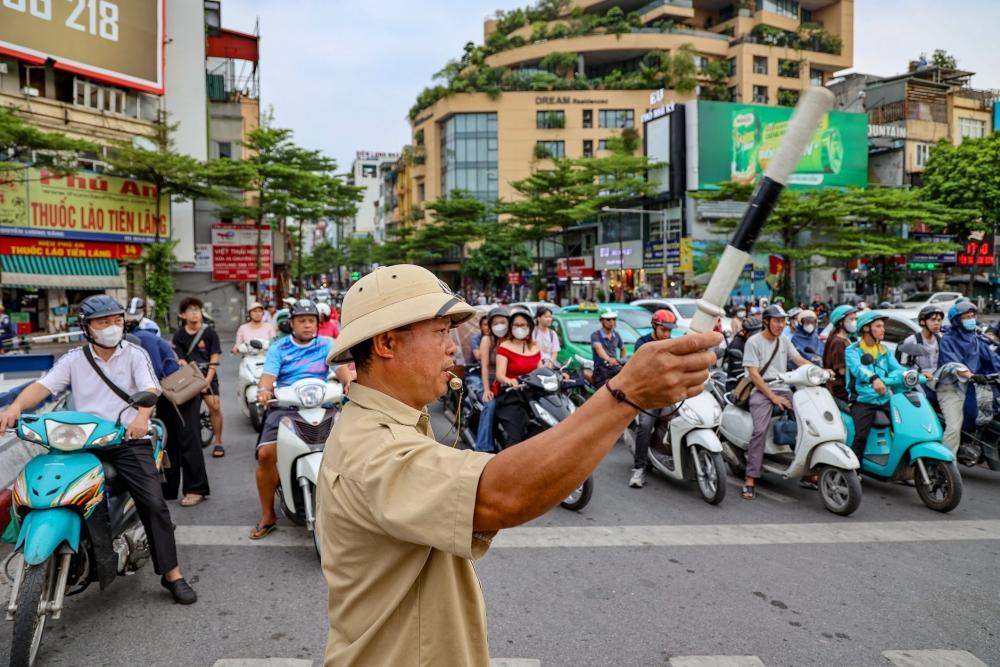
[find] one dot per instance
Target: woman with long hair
(518, 355)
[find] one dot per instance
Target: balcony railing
(659, 3)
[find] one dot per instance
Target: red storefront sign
(28, 247)
(977, 253)
(575, 268)
(234, 253)
(513, 278)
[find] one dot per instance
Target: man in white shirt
(128, 367)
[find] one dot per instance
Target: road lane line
(836, 532)
(933, 658)
(716, 661)
(771, 495)
(263, 662)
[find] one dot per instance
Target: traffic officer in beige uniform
(401, 517)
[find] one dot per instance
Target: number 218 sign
(117, 41)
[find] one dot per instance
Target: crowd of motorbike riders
(764, 342)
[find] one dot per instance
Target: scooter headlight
(544, 415)
(691, 416)
(68, 437)
(105, 440)
(911, 378)
(31, 436)
(816, 376)
(311, 395)
(584, 362)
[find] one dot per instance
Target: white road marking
(835, 532)
(515, 662)
(764, 493)
(933, 658)
(263, 662)
(716, 661)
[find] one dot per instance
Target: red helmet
(664, 318)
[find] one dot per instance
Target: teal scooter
(905, 442)
(73, 519)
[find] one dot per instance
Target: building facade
(367, 173)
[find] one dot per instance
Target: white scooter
(687, 447)
(251, 368)
(820, 447)
(301, 439)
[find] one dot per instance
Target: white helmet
(324, 310)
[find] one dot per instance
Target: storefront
(621, 269)
(65, 237)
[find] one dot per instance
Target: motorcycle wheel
(315, 530)
(205, 419)
(712, 484)
(840, 490)
(577, 500)
(298, 518)
(29, 624)
(256, 417)
(945, 490)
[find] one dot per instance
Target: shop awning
(60, 272)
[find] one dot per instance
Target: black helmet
(929, 311)
(752, 325)
(99, 305)
(135, 310)
(303, 307)
(774, 311)
(499, 311)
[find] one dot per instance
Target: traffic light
(355, 276)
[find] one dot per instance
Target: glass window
(555, 149)
(469, 154)
(923, 151)
(588, 118)
(588, 148)
(225, 150)
(815, 77)
(760, 64)
(789, 8)
(760, 94)
(616, 118)
(972, 128)
(549, 120)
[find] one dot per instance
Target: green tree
(560, 64)
(457, 220)
(502, 252)
(941, 58)
(967, 176)
(23, 143)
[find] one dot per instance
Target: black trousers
(512, 415)
(136, 468)
(864, 416)
(183, 448)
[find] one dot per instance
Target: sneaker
(638, 478)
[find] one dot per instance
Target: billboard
(22, 247)
(117, 41)
(234, 252)
(83, 206)
(736, 142)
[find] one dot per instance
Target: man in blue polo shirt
(290, 359)
(609, 349)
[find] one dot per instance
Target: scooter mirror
(256, 344)
(143, 399)
(867, 359)
(914, 349)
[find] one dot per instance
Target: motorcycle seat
(112, 480)
(882, 419)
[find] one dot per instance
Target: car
(899, 325)
(683, 309)
(574, 328)
(532, 306)
(943, 299)
(637, 317)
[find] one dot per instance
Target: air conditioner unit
(29, 91)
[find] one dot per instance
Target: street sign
(513, 278)
(234, 252)
(923, 266)
(977, 253)
(355, 276)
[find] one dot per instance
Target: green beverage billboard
(737, 141)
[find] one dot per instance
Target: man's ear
(382, 345)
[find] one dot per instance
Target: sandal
(192, 499)
(261, 531)
(749, 492)
(810, 483)
(218, 452)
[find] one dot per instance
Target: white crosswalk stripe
(716, 661)
(932, 658)
(762, 492)
(296, 662)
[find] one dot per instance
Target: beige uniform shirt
(395, 522)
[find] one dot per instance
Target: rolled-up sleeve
(422, 492)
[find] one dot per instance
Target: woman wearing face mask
(844, 321)
(546, 338)
(805, 336)
(517, 355)
(736, 324)
(499, 325)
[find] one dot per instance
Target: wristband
(622, 398)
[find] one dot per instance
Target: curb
(5, 503)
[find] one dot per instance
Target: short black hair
(189, 301)
(362, 354)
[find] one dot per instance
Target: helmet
(324, 310)
(303, 307)
(839, 313)
(608, 314)
(794, 311)
(869, 316)
(255, 304)
(808, 315)
(885, 305)
(960, 308)
(135, 310)
(929, 311)
(752, 325)
(774, 311)
(499, 311)
(283, 321)
(99, 305)
(665, 318)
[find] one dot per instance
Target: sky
(343, 75)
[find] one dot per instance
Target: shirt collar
(399, 412)
(119, 350)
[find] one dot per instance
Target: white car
(944, 300)
(683, 309)
(899, 325)
(532, 306)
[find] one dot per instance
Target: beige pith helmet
(391, 297)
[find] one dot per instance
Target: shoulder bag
(741, 393)
(184, 384)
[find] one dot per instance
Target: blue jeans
(484, 438)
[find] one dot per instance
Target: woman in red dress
(517, 355)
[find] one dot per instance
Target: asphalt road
(640, 577)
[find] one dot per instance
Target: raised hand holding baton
(812, 105)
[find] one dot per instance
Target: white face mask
(741, 314)
(109, 336)
(520, 333)
(809, 328)
(499, 330)
(851, 327)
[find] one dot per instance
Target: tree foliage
(26, 144)
(502, 252)
(967, 176)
